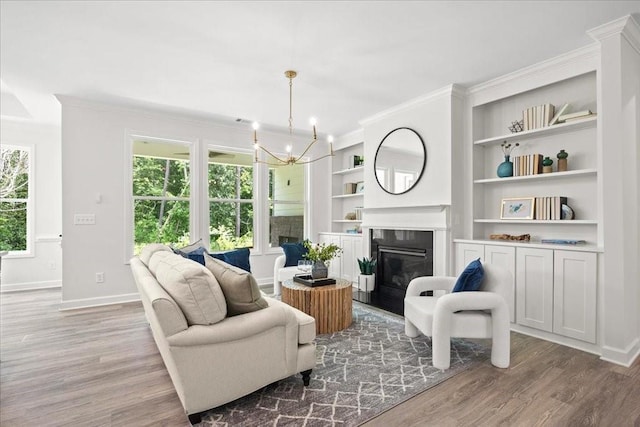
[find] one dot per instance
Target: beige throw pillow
(147, 252)
(239, 287)
(192, 286)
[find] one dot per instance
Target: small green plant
(321, 251)
(367, 265)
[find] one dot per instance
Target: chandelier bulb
(289, 148)
(330, 138)
(313, 121)
(255, 125)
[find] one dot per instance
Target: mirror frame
(424, 160)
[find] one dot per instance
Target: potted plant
(321, 254)
(366, 278)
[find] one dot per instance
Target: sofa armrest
(235, 328)
(306, 323)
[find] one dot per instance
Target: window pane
(231, 225)
(160, 221)
(230, 175)
(13, 226)
(160, 177)
(14, 179)
(286, 220)
(287, 226)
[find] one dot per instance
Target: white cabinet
(346, 266)
(554, 289)
(534, 288)
(574, 294)
(503, 256)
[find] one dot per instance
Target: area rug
(361, 372)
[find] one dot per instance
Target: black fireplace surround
(401, 255)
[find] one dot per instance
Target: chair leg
(410, 330)
(306, 377)
(501, 337)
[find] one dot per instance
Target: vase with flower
(321, 255)
(505, 169)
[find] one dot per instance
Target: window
(231, 202)
(15, 199)
(286, 204)
(161, 193)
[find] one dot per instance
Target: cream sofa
(282, 273)
(229, 356)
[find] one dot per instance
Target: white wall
(44, 267)
(93, 159)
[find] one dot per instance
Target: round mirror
(400, 160)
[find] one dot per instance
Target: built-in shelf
(348, 171)
(546, 131)
(346, 196)
(552, 175)
(348, 221)
(538, 221)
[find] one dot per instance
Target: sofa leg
(306, 377)
(195, 418)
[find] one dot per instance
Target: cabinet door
(504, 256)
(534, 288)
(334, 265)
(352, 249)
(465, 253)
(574, 289)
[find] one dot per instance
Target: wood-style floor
(100, 367)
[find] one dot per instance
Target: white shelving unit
(344, 172)
(578, 183)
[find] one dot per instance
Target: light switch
(84, 219)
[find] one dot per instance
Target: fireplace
(401, 255)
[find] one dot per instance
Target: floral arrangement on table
(321, 251)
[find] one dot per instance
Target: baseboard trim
(624, 357)
(30, 286)
(98, 301)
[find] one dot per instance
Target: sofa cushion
(192, 286)
(294, 253)
(197, 247)
(236, 257)
(239, 287)
(147, 252)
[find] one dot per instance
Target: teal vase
(505, 168)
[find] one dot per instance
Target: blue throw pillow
(471, 278)
(237, 257)
(294, 253)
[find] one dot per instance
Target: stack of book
(349, 188)
(538, 117)
(528, 164)
(358, 210)
(578, 115)
(549, 208)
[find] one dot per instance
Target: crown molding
(348, 139)
(565, 60)
(626, 26)
(450, 90)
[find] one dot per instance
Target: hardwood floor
(101, 367)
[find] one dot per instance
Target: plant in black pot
(321, 254)
(366, 279)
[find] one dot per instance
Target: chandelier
(290, 159)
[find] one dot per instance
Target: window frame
(30, 201)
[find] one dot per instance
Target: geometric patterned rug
(361, 372)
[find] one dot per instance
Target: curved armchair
(480, 314)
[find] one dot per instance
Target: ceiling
(226, 60)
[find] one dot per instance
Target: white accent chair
(282, 273)
(479, 314)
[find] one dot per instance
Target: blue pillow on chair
(294, 253)
(471, 278)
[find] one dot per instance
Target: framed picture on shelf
(360, 187)
(517, 208)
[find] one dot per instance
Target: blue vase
(505, 168)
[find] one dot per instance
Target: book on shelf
(576, 119)
(563, 241)
(577, 114)
(527, 164)
(549, 207)
(349, 188)
(538, 116)
(562, 110)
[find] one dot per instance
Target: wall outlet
(84, 219)
(100, 277)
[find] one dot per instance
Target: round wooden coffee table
(330, 305)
